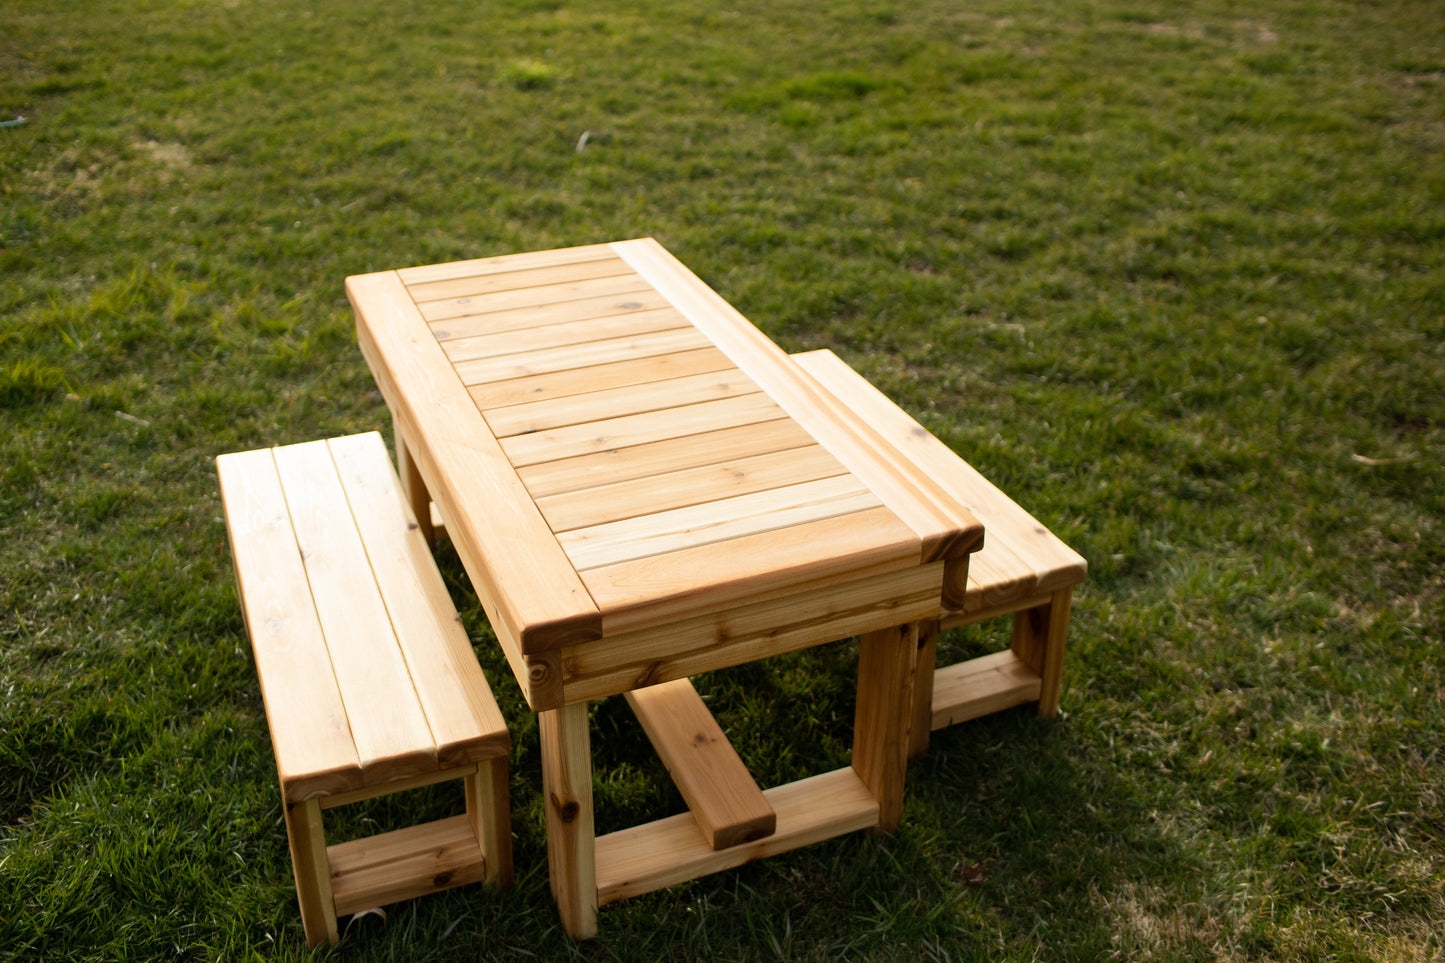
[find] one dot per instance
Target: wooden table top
(614, 448)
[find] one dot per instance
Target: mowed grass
(1169, 273)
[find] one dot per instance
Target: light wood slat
(504, 263)
(629, 430)
(532, 297)
(465, 723)
(1019, 557)
(725, 801)
(617, 402)
(533, 598)
(576, 381)
(580, 356)
(404, 864)
(312, 740)
(714, 522)
(656, 855)
(750, 632)
(560, 335)
(978, 687)
(944, 526)
(661, 589)
(392, 737)
(521, 319)
(676, 454)
(479, 284)
(628, 499)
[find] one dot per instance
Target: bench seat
(368, 677)
(1022, 570)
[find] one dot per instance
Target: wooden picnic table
(643, 487)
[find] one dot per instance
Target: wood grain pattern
(311, 870)
(482, 346)
(661, 589)
(404, 864)
(690, 486)
(460, 711)
(714, 522)
(1020, 557)
(310, 735)
(978, 687)
(659, 854)
(568, 357)
(748, 633)
(640, 429)
(886, 664)
(571, 839)
(719, 791)
(475, 285)
(534, 595)
(532, 297)
(943, 525)
(632, 399)
(524, 319)
(597, 377)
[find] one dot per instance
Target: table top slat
(546, 361)
(559, 335)
(662, 457)
(392, 735)
(521, 319)
(713, 522)
(580, 439)
(600, 377)
(479, 284)
(532, 297)
(608, 403)
(690, 486)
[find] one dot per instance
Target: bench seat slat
(310, 734)
(1019, 557)
(465, 722)
(392, 736)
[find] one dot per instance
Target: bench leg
(571, 838)
(307, 841)
(490, 810)
(413, 488)
(886, 666)
(1038, 639)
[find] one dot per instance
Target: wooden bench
(369, 680)
(1023, 570)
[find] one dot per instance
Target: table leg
(571, 839)
(413, 488)
(887, 663)
(922, 725)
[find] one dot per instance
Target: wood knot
(566, 811)
(442, 880)
(538, 672)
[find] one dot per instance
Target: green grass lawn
(1169, 272)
